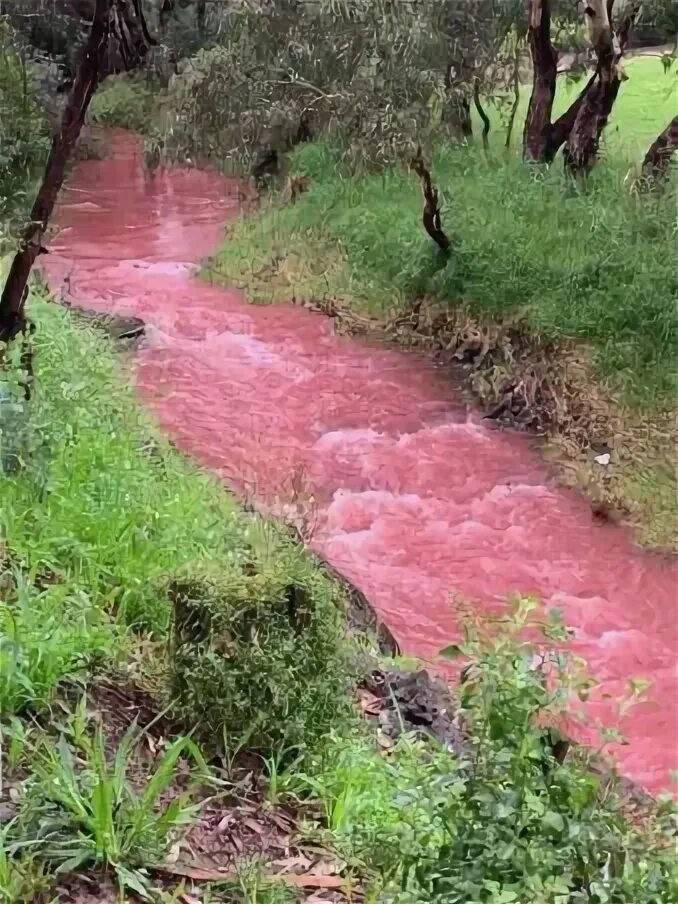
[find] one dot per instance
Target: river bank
(399, 486)
(144, 752)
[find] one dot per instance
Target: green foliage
(81, 808)
(98, 500)
(92, 526)
(594, 264)
(46, 634)
(508, 824)
(23, 130)
(125, 101)
(375, 74)
(258, 656)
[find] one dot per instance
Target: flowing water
(414, 499)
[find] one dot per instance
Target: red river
(416, 500)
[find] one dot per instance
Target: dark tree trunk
(483, 115)
(583, 141)
(516, 98)
(200, 13)
(537, 133)
(12, 319)
(658, 158)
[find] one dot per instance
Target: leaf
(133, 880)
(553, 820)
(452, 651)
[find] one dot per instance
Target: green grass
(98, 514)
(592, 264)
(647, 101)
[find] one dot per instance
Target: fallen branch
(431, 214)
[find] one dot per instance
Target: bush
(23, 127)
(378, 75)
(126, 101)
(508, 824)
(259, 658)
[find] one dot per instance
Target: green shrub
(23, 128)
(508, 824)
(258, 657)
(126, 101)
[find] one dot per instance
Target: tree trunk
(537, 133)
(483, 115)
(12, 319)
(658, 158)
(581, 149)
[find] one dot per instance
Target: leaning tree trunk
(12, 319)
(658, 158)
(583, 141)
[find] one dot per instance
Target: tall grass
(593, 263)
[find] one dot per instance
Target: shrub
(259, 657)
(376, 74)
(126, 101)
(23, 127)
(509, 824)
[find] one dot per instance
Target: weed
(83, 810)
(511, 824)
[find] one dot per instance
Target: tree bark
(583, 141)
(537, 133)
(658, 158)
(483, 115)
(12, 319)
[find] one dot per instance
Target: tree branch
(431, 214)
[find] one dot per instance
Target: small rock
(603, 459)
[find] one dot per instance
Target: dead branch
(431, 214)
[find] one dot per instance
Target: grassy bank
(179, 718)
(585, 273)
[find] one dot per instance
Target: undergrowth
(506, 822)
(126, 101)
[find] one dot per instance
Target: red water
(416, 499)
